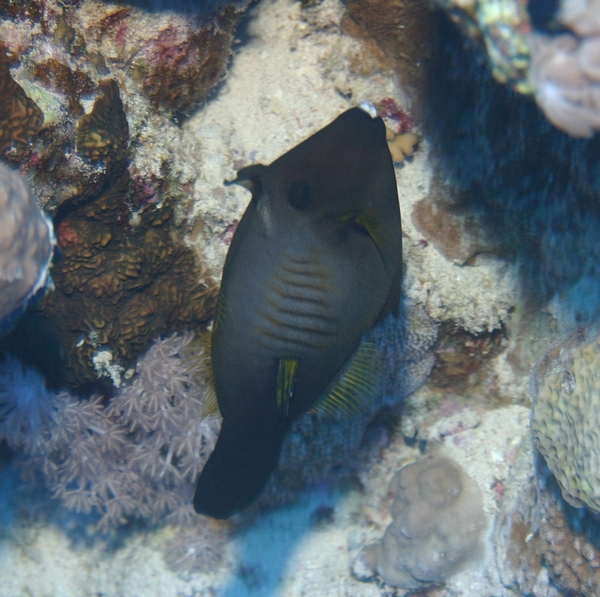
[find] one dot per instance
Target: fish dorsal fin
(359, 382)
(286, 380)
(203, 371)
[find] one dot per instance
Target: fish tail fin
(238, 469)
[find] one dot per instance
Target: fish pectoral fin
(369, 224)
(203, 371)
(358, 383)
(286, 381)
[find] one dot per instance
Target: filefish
(315, 262)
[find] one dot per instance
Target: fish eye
(299, 195)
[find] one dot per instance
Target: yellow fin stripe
(358, 383)
(200, 354)
(286, 380)
(219, 309)
(369, 223)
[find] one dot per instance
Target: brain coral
(20, 117)
(437, 522)
(565, 422)
(26, 243)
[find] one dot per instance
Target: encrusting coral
(26, 244)
(103, 133)
(117, 286)
(20, 117)
(436, 530)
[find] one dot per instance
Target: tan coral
(103, 133)
(117, 288)
(403, 146)
(20, 117)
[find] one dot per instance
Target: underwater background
(472, 470)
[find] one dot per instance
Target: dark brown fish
(315, 261)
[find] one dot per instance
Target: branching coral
(136, 456)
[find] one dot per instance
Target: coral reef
(26, 244)
(437, 524)
(565, 420)
(108, 83)
(133, 457)
(117, 287)
(21, 117)
(103, 133)
(180, 67)
(568, 544)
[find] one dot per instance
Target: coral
(569, 546)
(134, 457)
(437, 524)
(26, 243)
(59, 77)
(402, 146)
(566, 76)
(561, 70)
(103, 133)
(20, 119)
(117, 287)
(455, 231)
(180, 67)
(565, 420)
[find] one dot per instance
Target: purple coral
(136, 456)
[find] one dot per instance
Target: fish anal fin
(286, 380)
(354, 388)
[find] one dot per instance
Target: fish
(314, 263)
